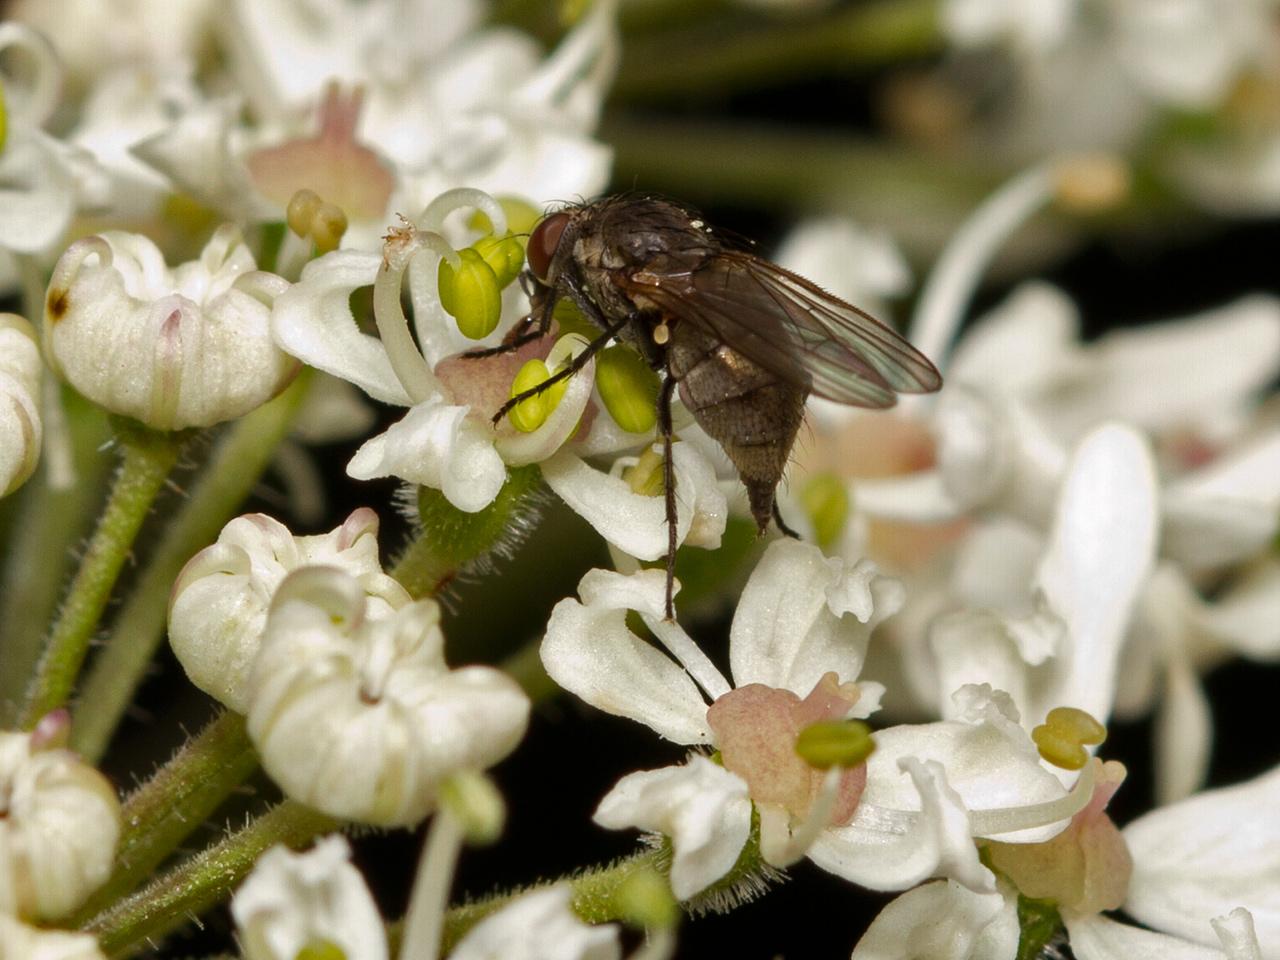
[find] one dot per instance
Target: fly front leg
(592, 313)
(668, 489)
(536, 324)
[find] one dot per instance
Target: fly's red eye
(543, 243)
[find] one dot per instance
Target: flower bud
(471, 294)
(20, 428)
(219, 604)
(188, 347)
(628, 387)
(361, 718)
(59, 823)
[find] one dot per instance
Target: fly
(744, 340)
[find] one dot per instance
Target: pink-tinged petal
(1101, 550)
(803, 615)
(589, 651)
(1207, 855)
(701, 806)
(438, 446)
(313, 322)
(942, 921)
(1097, 938)
(756, 729)
(887, 849)
(1085, 868)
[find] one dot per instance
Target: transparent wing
(793, 328)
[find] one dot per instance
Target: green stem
(452, 540)
(239, 460)
(722, 55)
(595, 895)
(204, 880)
(47, 524)
(148, 458)
(163, 812)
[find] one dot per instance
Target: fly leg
(668, 488)
(777, 518)
(592, 313)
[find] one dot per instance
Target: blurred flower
(59, 822)
(496, 118)
(360, 717)
(218, 607)
(189, 347)
(21, 942)
(315, 901)
(539, 926)
(41, 176)
(20, 429)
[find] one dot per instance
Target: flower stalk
(147, 459)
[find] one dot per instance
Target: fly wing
(793, 328)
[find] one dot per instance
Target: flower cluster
(254, 241)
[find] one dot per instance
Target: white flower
(292, 901)
(59, 822)
(96, 36)
(480, 111)
(20, 426)
(360, 717)
(40, 175)
(797, 643)
(447, 440)
(1099, 553)
(21, 942)
(538, 926)
(1192, 866)
(183, 348)
(218, 607)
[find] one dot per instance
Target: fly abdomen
(747, 409)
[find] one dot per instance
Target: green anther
(645, 478)
(475, 802)
(835, 743)
(628, 387)
(504, 255)
(471, 294)
(321, 950)
(826, 501)
(645, 900)
(328, 226)
(4, 118)
(301, 212)
(521, 217)
(1063, 736)
(531, 413)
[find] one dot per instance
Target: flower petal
(803, 615)
(589, 651)
(942, 921)
(1207, 855)
(1095, 937)
(313, 322)
(1101, 550)
(701, 806)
